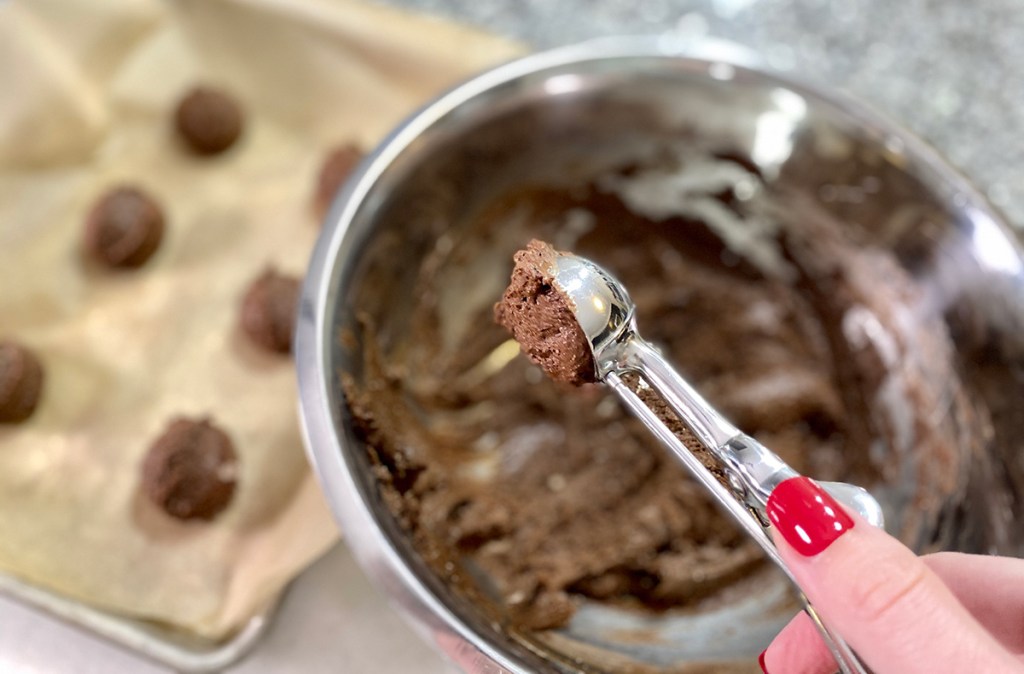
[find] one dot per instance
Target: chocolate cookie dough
(21, 383)
(124, 227)
(269, 310)
(191, 470)
(821, 348)
(540, 318)
(208, 120)
(335, 170)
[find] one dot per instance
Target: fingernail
(806, 516)
(760, 661)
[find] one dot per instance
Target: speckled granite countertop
(952, 71)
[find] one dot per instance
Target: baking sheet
(86, 96)
(181, 651)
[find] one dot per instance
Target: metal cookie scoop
(605, 314)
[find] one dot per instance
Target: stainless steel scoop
(606, 314)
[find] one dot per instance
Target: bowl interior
(571, 123)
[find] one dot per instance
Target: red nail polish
(806, 516)
(760, 661)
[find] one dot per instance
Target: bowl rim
(426, 612)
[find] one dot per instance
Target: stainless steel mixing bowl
(566, 113)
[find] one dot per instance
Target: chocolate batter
(21, 383)
(191, 470)
(269, 310)
(208, 120)
(819, 347)
(336, 168)
(124, 227)
(541, 319)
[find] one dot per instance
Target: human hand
(901, 613)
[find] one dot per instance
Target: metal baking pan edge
(162, 644)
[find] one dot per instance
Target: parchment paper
(86, 92)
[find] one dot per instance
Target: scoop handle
(752, 469)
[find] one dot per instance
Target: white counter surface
(331, 621)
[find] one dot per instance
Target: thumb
(891, 608)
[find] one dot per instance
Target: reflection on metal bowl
(634, 111)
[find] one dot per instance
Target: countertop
(331, 621)
(947, 70)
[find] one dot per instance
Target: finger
(990, 588)
(798, 649)
(896, 613)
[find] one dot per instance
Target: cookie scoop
(577, 322)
